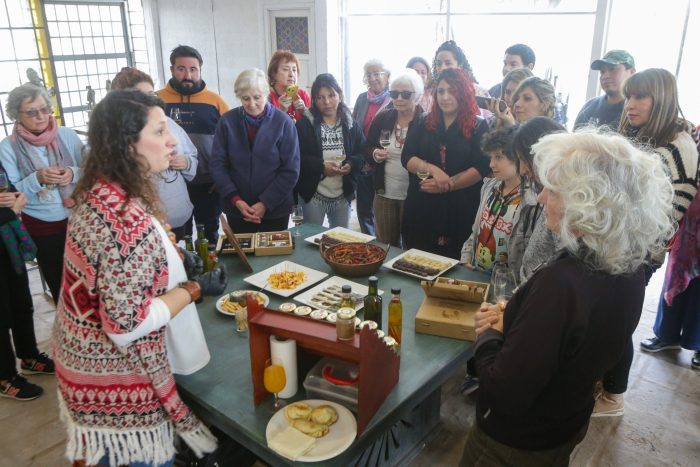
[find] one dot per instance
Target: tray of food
(285, 278)
(339, 235)
(327, 294)
(311, 430)
(421, 264)
(229, 305)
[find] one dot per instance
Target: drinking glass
(297, 218)
(385, 138)
(4, 182)
(175, 114)
(503, 283)
(423, 172)
(274, 380)
(340, 157)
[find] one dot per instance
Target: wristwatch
(192, 287)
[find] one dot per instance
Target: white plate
(260, 279)
(364, 238)
(220, 302)
(414, 252)
(340, 435)
(305, 297)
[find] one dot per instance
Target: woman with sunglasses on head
(42, 159)
(390, 177)
(445, 146)
(367, 106)
(172, 182)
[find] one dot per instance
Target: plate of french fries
(228, 304)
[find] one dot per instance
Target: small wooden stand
(234, 242)
(378, 363)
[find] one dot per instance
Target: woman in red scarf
(285, 94)
(41, 160)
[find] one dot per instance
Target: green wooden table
(222, 392)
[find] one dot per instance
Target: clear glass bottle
(345, 324)
(373, 302)
(395, 315)
(346, 300)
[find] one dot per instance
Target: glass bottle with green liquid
(373, 302)
(202, 245)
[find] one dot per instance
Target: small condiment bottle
(346, 300)
(345, 324)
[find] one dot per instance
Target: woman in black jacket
(330, 145)
(16, 308)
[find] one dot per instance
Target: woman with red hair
(446, 144)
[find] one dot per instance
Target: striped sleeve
(681, 160)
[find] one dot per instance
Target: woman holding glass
(255, 159)
(124, 282)
(443, 154)
(41, 160)
(282, 75)
(330, 143)
(385, 140)
(539, 359)
(367, 106)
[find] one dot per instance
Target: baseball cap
(614, 57)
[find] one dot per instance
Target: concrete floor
(661, 425)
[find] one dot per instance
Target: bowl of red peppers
(354, 259)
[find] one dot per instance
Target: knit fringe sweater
(116, 401)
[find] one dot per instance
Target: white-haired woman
(538, 361)
(255, 159)
(390, 176)
(41, 159)
(367, 106)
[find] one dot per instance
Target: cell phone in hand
(484, 103)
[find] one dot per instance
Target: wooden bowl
(352, 264)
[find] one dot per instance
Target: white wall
(231, 35)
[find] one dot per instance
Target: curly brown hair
(279, 57)
(115, 125)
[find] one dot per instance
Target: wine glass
(423, 173)
(385, 138)
(297, 218)
(4, 182)
(175, 114)
(274, 380)
(340, 157)
(503, 283)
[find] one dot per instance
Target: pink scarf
(57, 153)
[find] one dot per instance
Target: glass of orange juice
(274, 380)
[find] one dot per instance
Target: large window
(74, 46)
(564, 34)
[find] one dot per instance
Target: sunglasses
(404, 94)
(35, 112)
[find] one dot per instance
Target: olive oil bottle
(395, 315)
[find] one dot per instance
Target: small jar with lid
(345, 324)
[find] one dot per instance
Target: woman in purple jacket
(255, 159)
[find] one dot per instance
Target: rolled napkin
(291, 443)
(284, 352)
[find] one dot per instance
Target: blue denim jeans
(336, 209)
(680, 322)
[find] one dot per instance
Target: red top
(38, 228)
(292, 112)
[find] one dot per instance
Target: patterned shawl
(120, 400)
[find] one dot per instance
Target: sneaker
(609, 405)
(654, 344)
(40, 365)
(695, 361)
(470, 384)
(20, 389)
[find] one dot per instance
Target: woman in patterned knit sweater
(651, 118)
(117, 392)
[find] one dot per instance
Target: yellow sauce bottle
(395, 315)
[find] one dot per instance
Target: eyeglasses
(404, 94)
(35, 112)
(375, 75)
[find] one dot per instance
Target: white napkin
(291, 443)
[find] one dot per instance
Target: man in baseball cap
(615, 67)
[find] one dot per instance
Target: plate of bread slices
(311, 430)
